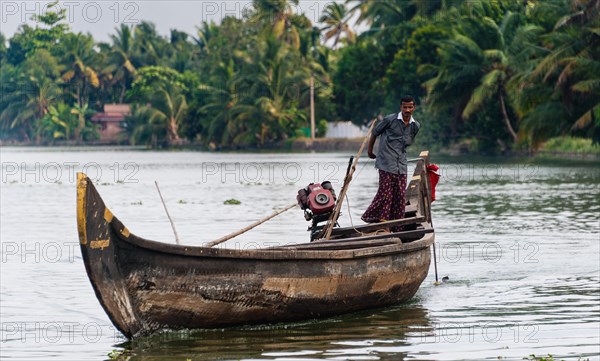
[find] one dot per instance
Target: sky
(101, 17)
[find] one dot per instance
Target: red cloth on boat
(390, 200)
(434, 178)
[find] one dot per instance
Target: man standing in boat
(396, 131)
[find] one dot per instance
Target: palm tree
(35, 90)
(79, 56)
(280, 16)
(183, 51)
(379, 14)
(557, 84)
(219, 120)
(149, 47)
(80, 112)
(336, 18)
(571, 65)
(58, 123)
(272, 84)
(205, 33)
(29, 103)
(584, 12)
(429, 8)
(121, 63)
(162, 104)
(167, 110)
(476, 68)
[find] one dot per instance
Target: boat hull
(146, 286)
(175, 291)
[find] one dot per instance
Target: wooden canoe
(146, 286)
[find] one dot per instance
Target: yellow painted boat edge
(82, 180)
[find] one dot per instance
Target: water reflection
(347, 337)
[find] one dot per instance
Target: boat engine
(318, 201)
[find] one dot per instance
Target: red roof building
(110, 121)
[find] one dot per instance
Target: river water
(519, 242)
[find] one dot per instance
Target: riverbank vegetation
(571, 144)
(502, 75)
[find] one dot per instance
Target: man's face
(407, 109)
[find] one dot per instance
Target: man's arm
(414, 130)
(371, 145)
(379, 127)
(417, 127)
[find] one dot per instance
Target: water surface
(518, 241)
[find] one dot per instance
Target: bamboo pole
(166, 211)
(328, 229)
(312, 108)
(246, 229)
(425, 177)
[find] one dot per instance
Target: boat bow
(96, 228)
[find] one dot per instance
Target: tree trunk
(123, 89)
(81, 126)
(172, 136)
(506, 118)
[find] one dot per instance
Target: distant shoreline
(300, 146)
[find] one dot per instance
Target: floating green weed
(533, 357)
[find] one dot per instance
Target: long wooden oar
(328, 228)
(246, 229)
(166, 211)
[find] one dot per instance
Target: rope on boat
(350, 215)
(246, 229)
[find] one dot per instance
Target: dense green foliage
(496, 74)
(571, 145)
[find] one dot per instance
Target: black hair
(408, 99)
